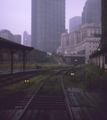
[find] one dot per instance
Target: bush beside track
(95, 78)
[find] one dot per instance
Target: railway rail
(11, 78)
(55, 99)
(17, 77)
(49, 102)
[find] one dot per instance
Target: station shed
(99, 57)
(13, 48)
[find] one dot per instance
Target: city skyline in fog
(16, 15)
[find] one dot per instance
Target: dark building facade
(92, 12)
(48, 23)
(104, 23)
(99, 58)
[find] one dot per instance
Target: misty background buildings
(26, 39)
(75, 22)
(81, 42)
(92, 12)
(84, 34)
(8, 35)
(48, 23)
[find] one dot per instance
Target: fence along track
(46, 104)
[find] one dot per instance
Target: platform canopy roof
(13, 47)
(4, 43)
(102, 50)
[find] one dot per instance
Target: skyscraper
(74, 22)
(9, 36)
(26, 39)
(48, 23)
(17, 38)
(6, 34)
(92, 12)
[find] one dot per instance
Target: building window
(98, 31)
(67, 42)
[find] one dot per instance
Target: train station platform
(88, 105)
(13, 47)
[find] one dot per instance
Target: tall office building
(48, 23)
(26, 39)
(9, 36)
(6, 34)
(75, 23)
(92, 12)
(17, 38)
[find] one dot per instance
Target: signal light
(72, 73)
(26, 81)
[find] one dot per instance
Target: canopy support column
(12, 51)
(23, 52)
(24, 55)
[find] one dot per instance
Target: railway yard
(58, 93)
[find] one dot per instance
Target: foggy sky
(15, 15)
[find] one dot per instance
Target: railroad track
(8, 79)
(17, 77)
(49, 102)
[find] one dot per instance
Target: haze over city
(53, 60)
(16, 14)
